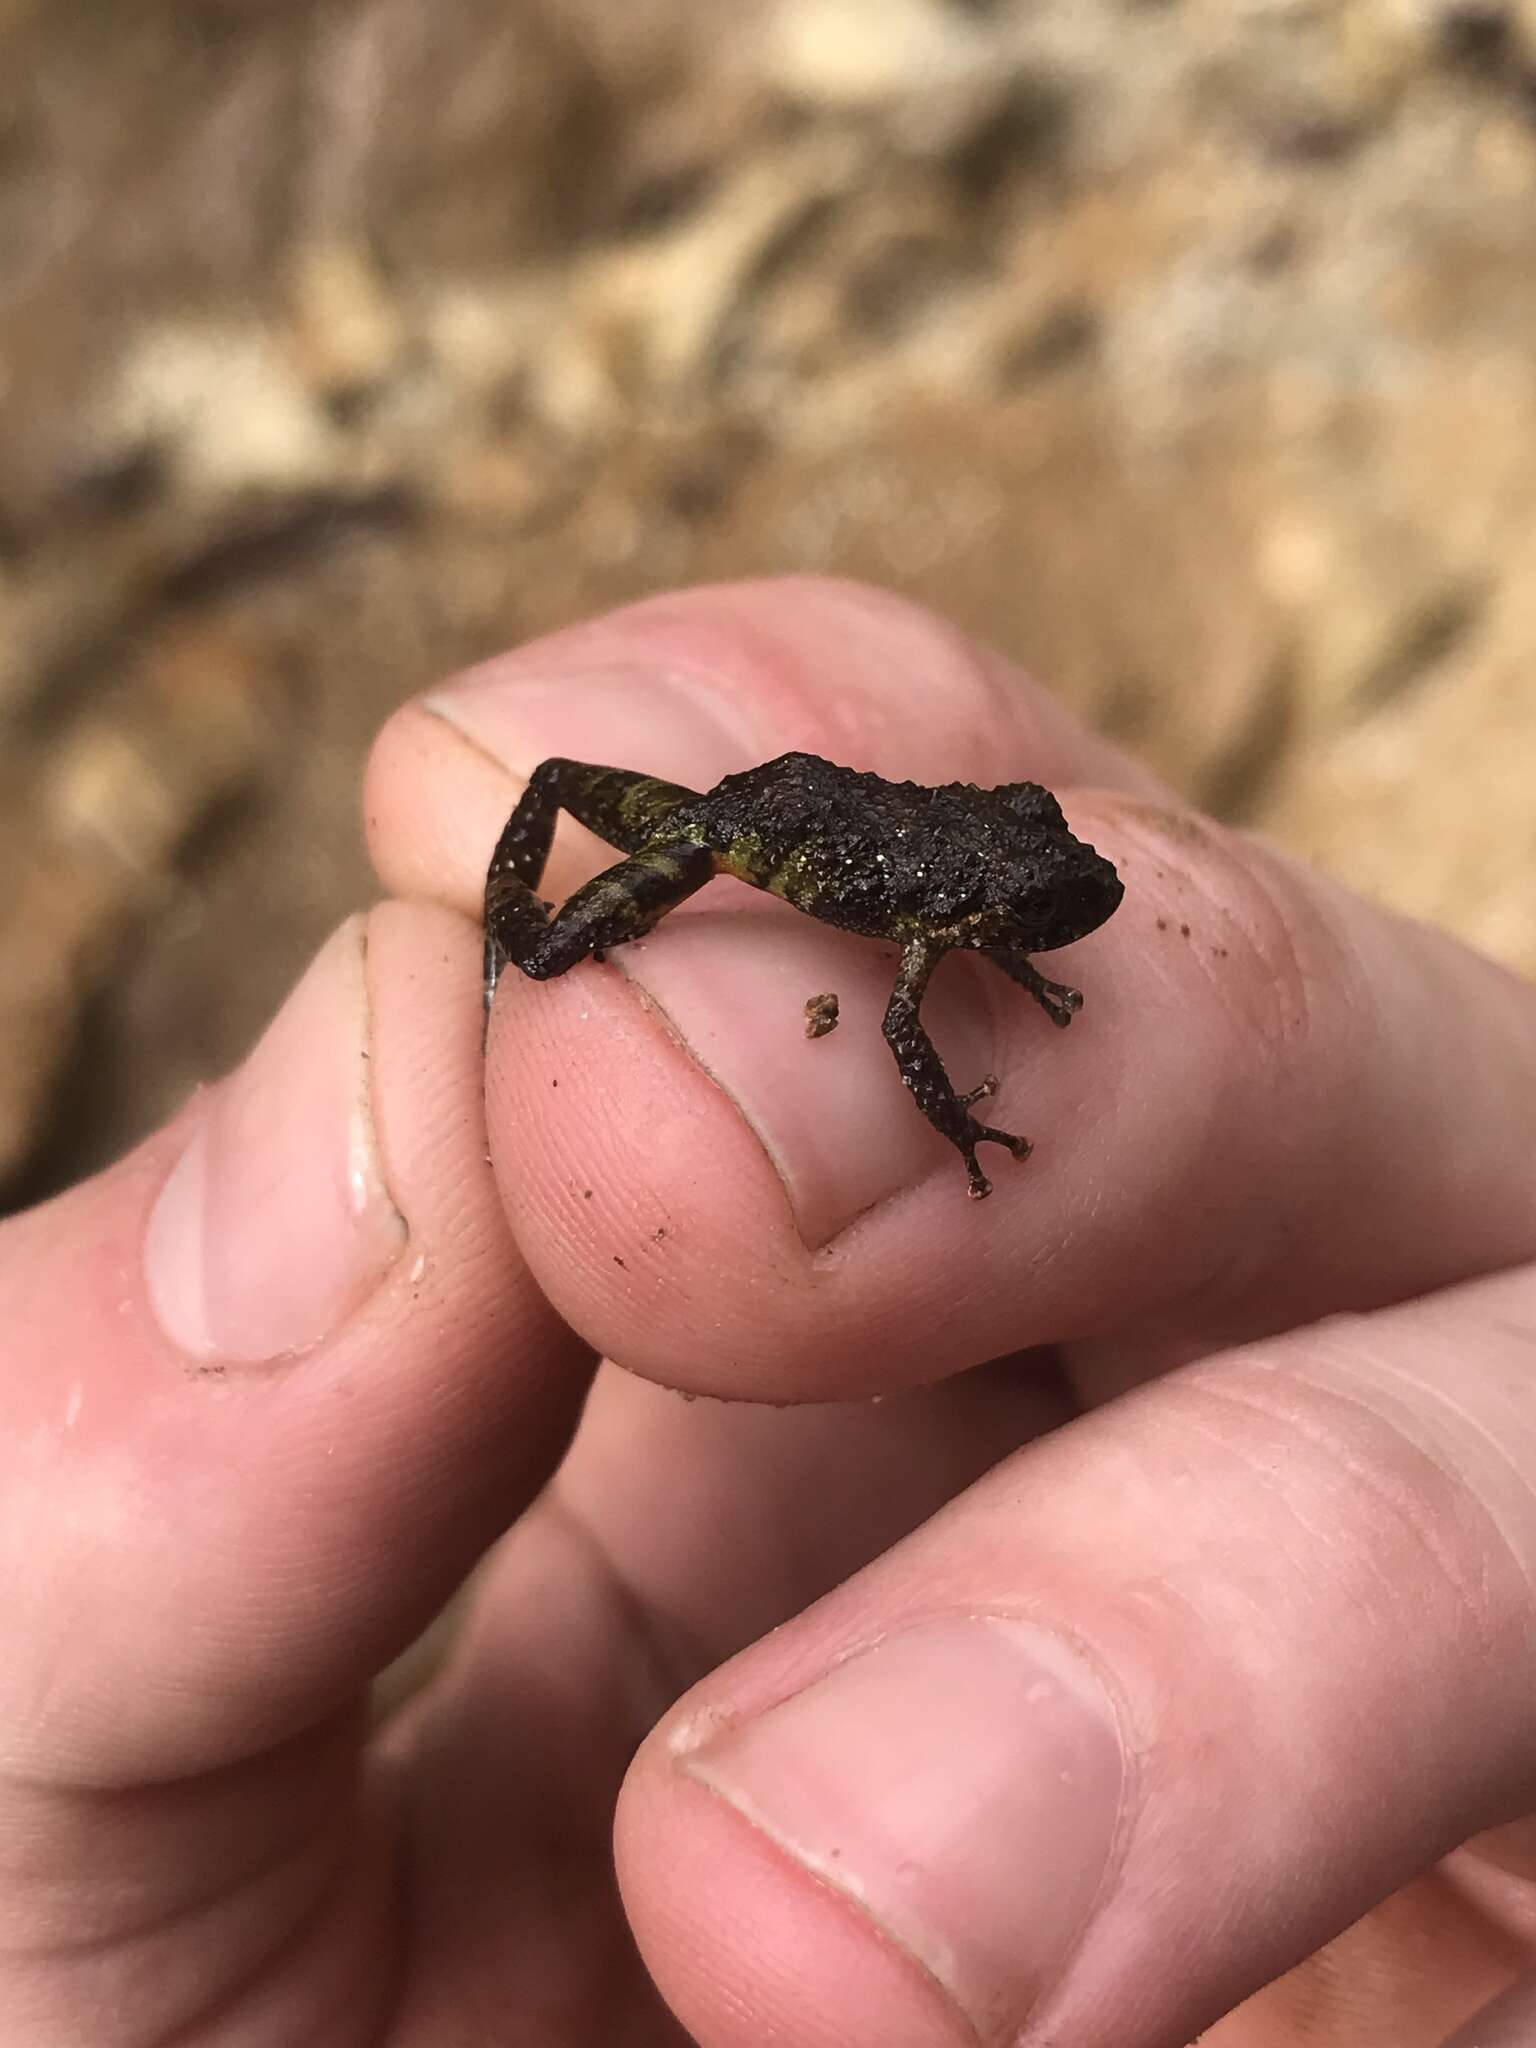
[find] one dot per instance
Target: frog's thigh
(619, 805)
(620, 903)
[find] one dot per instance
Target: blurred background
(1185, 347)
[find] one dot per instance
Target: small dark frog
(992, 871)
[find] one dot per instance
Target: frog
(932, 869)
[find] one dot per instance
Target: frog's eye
(1032, 805)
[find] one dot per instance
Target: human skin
(1168, 1613)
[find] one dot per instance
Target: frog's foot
(641, 931)
(512, 911)
(979, 1185)
(1060, 1003)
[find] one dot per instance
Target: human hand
(1072, 1734)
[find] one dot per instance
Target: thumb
(272, 1383)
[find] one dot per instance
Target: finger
(673, 1533)
(695, 685)
(1153, 1712)
(1509, 2022)
(1276, 1102)
(791, 1499)
(273, 1382)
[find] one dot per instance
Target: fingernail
(276, 1222)
(830, 1112)
(658, 721)
(962, 1782)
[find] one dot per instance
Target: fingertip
(433, 804)
(747, 1947)
(715, 1200)
(649, 1213)
(695, 684)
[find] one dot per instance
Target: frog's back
(850, 847)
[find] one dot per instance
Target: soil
(1181, 346)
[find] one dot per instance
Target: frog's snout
(1092, 896)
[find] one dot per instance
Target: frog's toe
(1060, 1003)
(977, 1180)
(986, 1086)
(1019, 1147)
(979, 1134)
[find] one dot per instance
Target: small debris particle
(659, 1232)
(1162, 924)
(821, 1015)
(1183, 931)
(620, 1263)
(586, 1194)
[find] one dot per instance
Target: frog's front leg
(1060, 1003)
(623, 902)
(923, 1071)
(618, 805)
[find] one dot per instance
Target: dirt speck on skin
(362, 342)
(821, 1015)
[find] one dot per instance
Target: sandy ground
(1182, 346)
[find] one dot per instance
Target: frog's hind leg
(619, 806)
(923, 1071)
(616, 804)
(623, 902)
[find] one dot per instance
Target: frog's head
(1088, 891)
(1056, 888)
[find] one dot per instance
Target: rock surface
(1182, 346)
